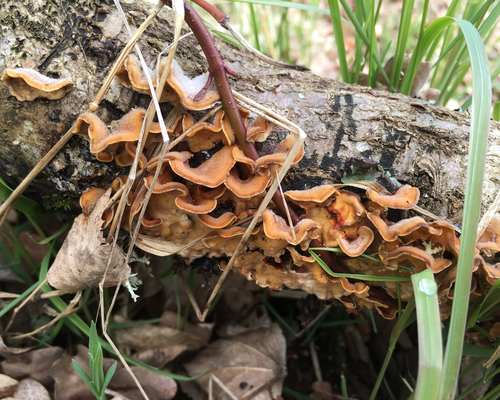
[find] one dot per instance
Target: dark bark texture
(416, 142)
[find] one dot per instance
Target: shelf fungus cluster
(208, 189)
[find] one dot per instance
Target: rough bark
(418, 143)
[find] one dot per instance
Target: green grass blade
(23, 204)
(449, 90)
(295, 395)
(492, 394)
(359, 31)
(451, 12)
(286, 4)
(403, 34)
(431, 33)
(343, 386)
(273, 311)
(85, 378)
(496, 111)
(471, 367)
(255, 26)
(339, 39)
(372, 45)
(109, 376)
(480, 382)
(406, 318)
(481, 102)
(358, 44)
(371, 278)
(18, 299)
(430, 347)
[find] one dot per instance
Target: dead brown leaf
(157, 387)
(202, 330)
(34, 364)
(258, 318)
(323, 391)
(82, 260)
(69, 386)
(147, 337)
(247, 364)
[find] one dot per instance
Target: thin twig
(7, 295)
(70, 309)
(224, 388)
(315, 361)
(25, 301)
(191, 298)
(290, 222)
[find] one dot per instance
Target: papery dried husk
(83, 258)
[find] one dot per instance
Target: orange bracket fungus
(27, 85)
(215, 195)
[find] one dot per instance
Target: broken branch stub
(82, 260)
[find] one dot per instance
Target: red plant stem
(219, 16)
(217, 68)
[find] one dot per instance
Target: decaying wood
(419, 144)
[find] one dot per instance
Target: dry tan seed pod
(82, 260)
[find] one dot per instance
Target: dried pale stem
(121, 58)
(70, 309)
(315, 360)
(125, 365)
(25, 301)
(115, 197)
(178, 109)
(195, 126)
(290, 222)
(224, 388)
(191, 298)
(55, 293)
(7, 295)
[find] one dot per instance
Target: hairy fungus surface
(208, 189)
(27, 85)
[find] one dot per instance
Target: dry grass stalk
(74, 305)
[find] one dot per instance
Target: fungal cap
(195, 204)
(223, 221)
(89, 198)
(28, 84)
(357, 246)
(211, 173)
(418, 257)
(391, 232)
(404, 198)
(318, 194)
(276, 227)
